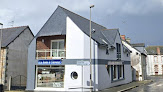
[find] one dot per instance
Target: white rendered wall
(151, 63)
(77, 47)
(135, 59)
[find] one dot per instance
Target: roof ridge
(80, 16)
(15, 27)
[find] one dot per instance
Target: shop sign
(83, 63)
(115, 63)
(50, 62)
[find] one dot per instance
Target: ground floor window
(50, 76)
(121, 70)
(115, 77)
(117, 72)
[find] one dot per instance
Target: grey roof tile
(56, 25)
(9, 34)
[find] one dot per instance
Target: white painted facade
(135, 56)
(78, 47)
(152, 62)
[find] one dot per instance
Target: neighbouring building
(14, 49)
(138, 58)
(58, 58)
(155, 60)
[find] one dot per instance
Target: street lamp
(90, 51)
(0, 52)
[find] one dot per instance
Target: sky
(140, 20)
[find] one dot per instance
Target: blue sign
(50, 62)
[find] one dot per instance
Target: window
(50, 76)
(162, 58)
(121, 71)
(117, 72)
(118, 46)
(155, 58)
(114, 72)
(156, 69)
(74, 75)
(57, 47)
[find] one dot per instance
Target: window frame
(49, 67)
(118, 51)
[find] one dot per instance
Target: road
(155, 86)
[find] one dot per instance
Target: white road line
(152, 84)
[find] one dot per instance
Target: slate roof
(138, 45)
(56, 25)
(152, 50)
(10, 34)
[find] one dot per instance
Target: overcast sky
(140, 20)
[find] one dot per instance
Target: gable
(10, 34)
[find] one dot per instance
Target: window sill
(117, 80)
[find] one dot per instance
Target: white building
(155, 60)
(138, 59)
(55, 55)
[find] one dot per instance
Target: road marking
(159, 85)
(152, 84)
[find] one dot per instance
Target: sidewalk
(125, 87)
(120, 88)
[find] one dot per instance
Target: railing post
(37, 54)
(45, 54)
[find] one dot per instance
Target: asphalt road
(155, 86)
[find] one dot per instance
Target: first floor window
(50, 76)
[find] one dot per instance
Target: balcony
(50, 54)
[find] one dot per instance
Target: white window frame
(36, 79)
(116, 72)
(57, 40)
(156, 58)
(121, 70)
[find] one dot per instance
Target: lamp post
(90, 51)
(0, 52)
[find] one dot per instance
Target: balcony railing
(50, 54)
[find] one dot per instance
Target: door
(57, 48)
(156, 69)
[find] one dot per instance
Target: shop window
(50, 76)
(74, 75)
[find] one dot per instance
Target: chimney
(123, 37)
(128, 39)
(158, 50)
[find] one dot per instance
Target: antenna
(11, 23)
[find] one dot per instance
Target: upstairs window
(155, 58)
(162, 58)
(118, 46)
